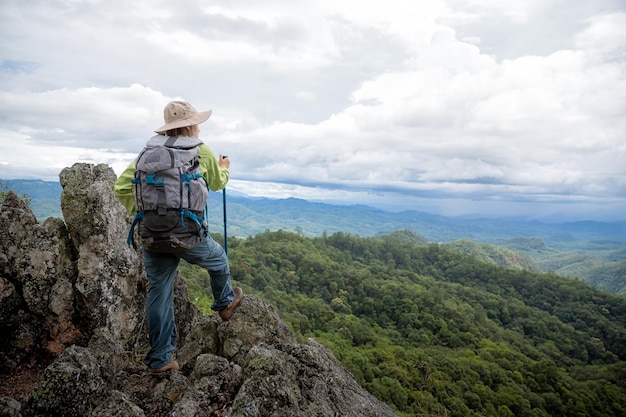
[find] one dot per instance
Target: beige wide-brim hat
(181, 114)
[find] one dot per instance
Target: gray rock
(117, 404)
(37, 262)
(72, 386)
(301, 380)
(212, 385)
(10, 407)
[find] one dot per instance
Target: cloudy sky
(458, 107)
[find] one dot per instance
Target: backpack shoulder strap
(171, 140)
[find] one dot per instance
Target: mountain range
(590, 250)
(248, 216)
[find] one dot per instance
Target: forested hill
(434, 332)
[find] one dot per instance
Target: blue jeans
(161, 270)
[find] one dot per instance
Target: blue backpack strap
(199, 221)
(186, 177)
(131, 235)
(206, 208)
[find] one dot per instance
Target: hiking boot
(172, 366)
(228, 311)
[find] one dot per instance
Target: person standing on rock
(182, 120)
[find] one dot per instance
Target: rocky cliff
(72, 318)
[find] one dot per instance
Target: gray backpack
(170, 195)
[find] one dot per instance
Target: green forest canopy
(433, 332)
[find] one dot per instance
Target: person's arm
(215, 172)
(124, 188)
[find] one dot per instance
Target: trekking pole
(225, 233)
(224, 205)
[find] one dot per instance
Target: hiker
(181, 127)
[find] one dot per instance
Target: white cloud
(606, 34)
(86, 117)
(395, 102)
(516, 12)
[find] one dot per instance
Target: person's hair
(181, 131)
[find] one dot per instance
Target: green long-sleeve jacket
(216, 176)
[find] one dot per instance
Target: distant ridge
(592, 251)
(45, 196)
(248, 216)
(36, 189)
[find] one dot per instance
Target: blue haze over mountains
(248, 216)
